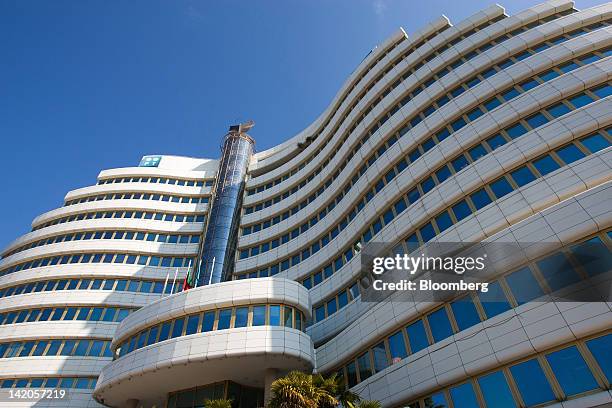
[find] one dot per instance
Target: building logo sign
(150, 161)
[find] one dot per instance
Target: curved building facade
(494, 130)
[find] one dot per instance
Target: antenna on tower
(243, 127)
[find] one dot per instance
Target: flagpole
(165, 284)
(174, 280)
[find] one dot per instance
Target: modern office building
(183, 278)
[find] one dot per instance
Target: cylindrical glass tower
(216, 261)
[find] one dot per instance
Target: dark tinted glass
(439, 324)
(522, 176)
(480, 199)
(463, 396)
(546, 165)
(601, 348)
(524, 285)
(501, 187)
(532, 383)
(416, 336)
(494, 300)
(465, 313)
(595, 143)
(397, 348)
(496, 391)
(225, 316)
(557, 271)
(571, 371)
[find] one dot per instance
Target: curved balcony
(174, 344)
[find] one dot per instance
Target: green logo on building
(150, 161)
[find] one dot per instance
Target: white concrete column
(270, 375)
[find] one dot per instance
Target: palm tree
(369, 404)
(300, 390)
(334, 385)
(217, 403)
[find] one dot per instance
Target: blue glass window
(601, 348)
(275, 315)
(342, 299)
(496, 141)
(443, 221)
(332, 306)
(546, 165)
(397, 347)
(81, 348)
(442, 134)
(443, 173)
(177, 329)
(225, 316)
(461, 210)
(417, 336)
(413, 195)
(511, 93)
(209, 320)
(365, 369)
(581, 100)
(494, 300)
(400, 206)
(427, 185)
(547, 76)
(570, 154)
(603, 91)
(459, 163)
(259, 315)
(477, 152)
(558, 110)
(474, 114)
(557, 271)
(492, 104)
(242, 315)
(496, 391)
(524, 285)
(192, 324)
(532, 383)
(465, 313)
(380, 357)
(428, 144)
(439, 325)
(501, 187)
(480, 199)
(593, 255)
(463, 396)
(570, 66)
(522, 176)
(571, 371)
(595, 143)
(351, 371)
(537, 120)
(427, 232)
(437, 400)
(516, 131)
(164, 332)
(458, 124)
(288, 317)
(530, 84)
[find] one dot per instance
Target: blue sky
(90, 85)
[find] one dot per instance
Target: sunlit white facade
(497, 129)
